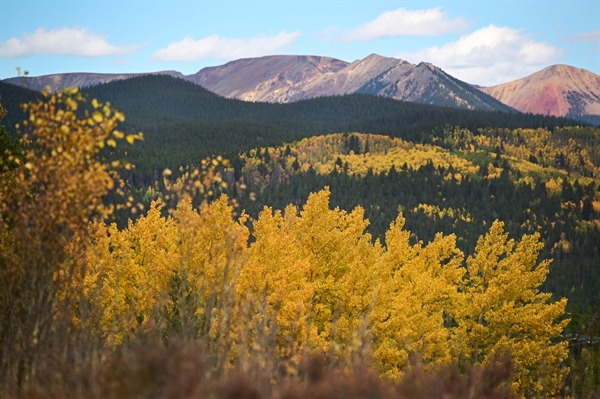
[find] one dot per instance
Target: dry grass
(180, 371)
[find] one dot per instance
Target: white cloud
(586, 37)
(402, 22)
(64, 41)
(489, 56)
(218, 47)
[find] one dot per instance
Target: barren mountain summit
(283, 79)
(558, 90)
(61, 81)
(278, 78)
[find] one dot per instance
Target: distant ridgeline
(182, 122)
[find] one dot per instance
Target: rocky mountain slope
(278, 78)
(559, 90)
(291, 78)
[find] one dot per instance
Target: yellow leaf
(118, 134)
(97, 116)
(71, 103)
(111, 143)
(130, 138)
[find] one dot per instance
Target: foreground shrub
(181, 372)
(49, 192)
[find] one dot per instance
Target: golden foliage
(312, 281)
(46, 203)
(506, 312)
(322, 152)
(419, 296)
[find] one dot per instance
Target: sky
(481, 42)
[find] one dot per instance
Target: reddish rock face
(558, 90)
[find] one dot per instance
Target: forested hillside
(183, 122)
(396, 237)
(11, 98)
(533, 180)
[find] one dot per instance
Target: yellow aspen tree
(48, 196)
(128, 272)
(418, 292)
(338, 250)
(212, 249)
(176, 271)
(506, 312)
(275, 288)
(316, 270)
(218, 242)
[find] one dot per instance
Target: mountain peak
(273, 78)
(558, 90)
(78, 79)
(374, 56)
(427, 65)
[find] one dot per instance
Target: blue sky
(482, 42)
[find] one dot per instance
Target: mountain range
(292, 78)
(559, 90)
